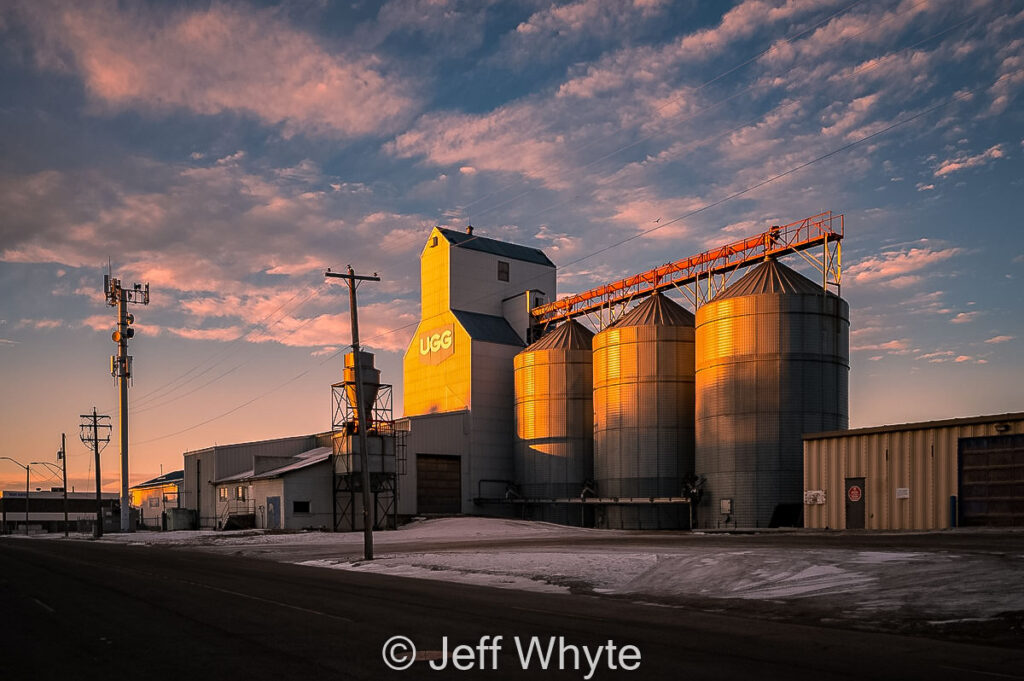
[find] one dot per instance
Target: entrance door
(273, 513)
(855, 503)
(438, 483)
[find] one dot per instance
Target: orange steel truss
(700, 277)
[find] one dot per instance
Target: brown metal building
(929, 475)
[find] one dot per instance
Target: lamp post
(64, 472)
(26, 487)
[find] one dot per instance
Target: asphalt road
(83, 610)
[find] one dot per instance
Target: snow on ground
(927, 585)
(500, 579)
(533, 570)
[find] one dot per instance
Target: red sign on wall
(855, 493)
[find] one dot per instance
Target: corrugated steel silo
(554, 454)
(773, 362)
(643, 412)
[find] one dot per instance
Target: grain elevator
(658, 418)
(476, 297)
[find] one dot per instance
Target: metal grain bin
(643, 413)
(773, 360)
(554, 450)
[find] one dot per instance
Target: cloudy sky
(228, 152)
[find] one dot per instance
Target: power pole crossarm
(361, 419)
(89, 434)
(63, 455)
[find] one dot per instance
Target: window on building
(300, 507)
(433, 242)
(170, 497)
(240, 494)
(502, 270)
(154, 502)
(222, 494)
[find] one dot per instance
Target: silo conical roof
(770, 276)
(568, 336)
(657, 310)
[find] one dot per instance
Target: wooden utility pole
(64, 469)
(89, 434)
(361, 419)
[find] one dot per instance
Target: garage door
(992, 480)
(438, 483)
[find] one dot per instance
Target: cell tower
(121, 369)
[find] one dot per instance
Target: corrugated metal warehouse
(219, 483)
(917, 476)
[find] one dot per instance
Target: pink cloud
(586, 18)
(483, 141)
(869, 26)
(555, 28)
(898, 346)
(853, 115)
(1000, 339)
(229, 333)
(642, 210)
(890, 266)
(302, 265)
(740, 22)
(940, 355)
(964, 318)
(964, 161)
(1011, 70)
(99, 322)
(653, 66)
(40, 323)
(223, 58)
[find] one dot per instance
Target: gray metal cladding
(643, 411)
(554, 417)
(772, 364)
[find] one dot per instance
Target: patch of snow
(501, 581)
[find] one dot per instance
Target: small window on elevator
(502, 271)
(433, 242)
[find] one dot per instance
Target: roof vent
(469, 229)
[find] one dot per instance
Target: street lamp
(26, 487)
(64, 472)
